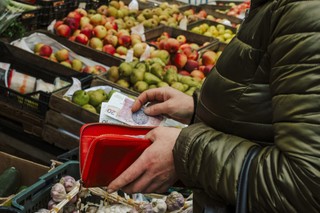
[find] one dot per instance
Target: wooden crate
(64, 118)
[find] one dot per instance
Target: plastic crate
(37, 196)
(50, 10)
(4, 209)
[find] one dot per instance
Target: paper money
(119, 108)
(104, 118)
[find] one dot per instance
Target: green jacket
(264, 91)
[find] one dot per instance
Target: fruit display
(213, 29)
(237, 10)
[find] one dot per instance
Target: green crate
(37, 195)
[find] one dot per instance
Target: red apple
(57, 24)
(87, 31)
(82, 39)
(109, 48)
(90, 70)
(99, 31)
(179, 60)
(189, 51)
(45, 50)
(72, 38)
(76, 32)
(191, 65)
(111, 25)
(64, 30)
(37, 47)
(172, 45)
(96, 19)
(75, 15)
(207, 69)
(84, 21)
(209, 57)
(103, 10)
(183, 72)
(100, 68)
(197, 74)
(124, 40)
(73, 23)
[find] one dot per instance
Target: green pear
(190, 91)
(157, 70)
(80, 97)
(123, 83)
(97, 97)
(152, 86)
(151, 78)
(170, 77)
(113, 74)
(140, 86)
(179, 86)
(89, 108)
(162, 84)
(125, 69)
(137, 75)
(192, 82)
(142, 66)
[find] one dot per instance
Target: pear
(125, 69)
(97, 97)
(151, 78)
(192, 82)
(123, 83)
(89, 108)
(157, 70)
(140, 86)
(178, 85)
(142, 66)
(113, 74)
(190, 91)
(137, 75)
(80, 97)
(162, 84)
(170, 77)
(152, 86)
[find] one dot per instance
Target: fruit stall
(65, 64)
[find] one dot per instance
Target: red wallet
(106, 150)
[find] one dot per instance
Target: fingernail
(110, 191)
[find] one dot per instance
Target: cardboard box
(30, 171)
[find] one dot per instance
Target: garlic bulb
(158, 205)
(68, 182)
(58, 192)
(145, 208)
(174, 201)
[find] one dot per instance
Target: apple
(81, 11)
(183, 72)
(109, 48)
(62, 55)
(72, 38)
(182, 39)
(172, 45)
(209, 57)
(162, 54)
(111, 39)
(99, 31)
(122, 50)
(100, 68)
(73, 23)
(75, 15)
(189, 51)
(138, 49)
(66, 63)
(57, 24)
(63, 30)
(207, 69)
(191, 65)
(179, 60)
(96, 43)
(53, 58)
(76, 65)
(103, 10)
(37, 47)
(96, 19)
(197, 74)
(84, 21)
(90, 70)
(82, 39)
(87, 31)
(111, 25)
(122, 32)
(45, 50)
(124, 40)
(194, 46)
(76, 32)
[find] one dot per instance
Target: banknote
(104, 118)
(119, 108)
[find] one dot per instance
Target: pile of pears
(151, 73)
(91, 100)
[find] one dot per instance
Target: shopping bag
(106, 150)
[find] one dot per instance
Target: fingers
(147, 96)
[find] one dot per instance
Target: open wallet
(106, 150)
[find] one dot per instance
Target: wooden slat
(59, 138)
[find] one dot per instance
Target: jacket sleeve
(284, 177)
